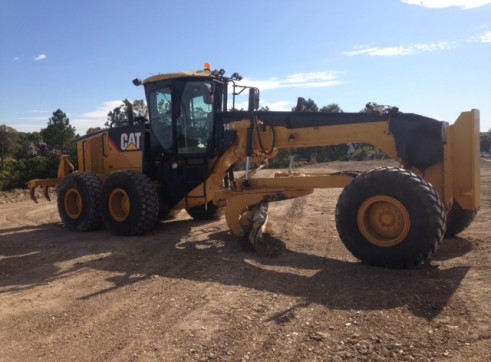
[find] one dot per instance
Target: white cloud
(401, 50)
(277, 106)
(439, 4)
(40, 57)
(298, 80)
(38, 119)
(92, 119)
(481, 38)
(273, 106)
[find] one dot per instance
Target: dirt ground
(191, 291)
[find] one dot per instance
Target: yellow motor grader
(183, 157)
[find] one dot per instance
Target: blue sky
(431, 57)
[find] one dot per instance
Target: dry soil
(191, 291)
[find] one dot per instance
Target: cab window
(161, 122)
(195, 121)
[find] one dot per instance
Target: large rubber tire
(458, 220)
(390, 217)
(211, 212)
(79, 202)
(130, 203)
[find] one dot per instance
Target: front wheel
(390, 217)
(130, 203)
(458, 220)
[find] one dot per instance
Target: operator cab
(183, 137)
(181, 117)
(186, 129)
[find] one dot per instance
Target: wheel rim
(119, 205)
(383, 221)
(73, 203)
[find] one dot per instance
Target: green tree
(118, 117)
(140, 108)
(92, 130)
(486, 141)
(27, 144)
(307, 105)
(331, 108)
(59, 134)
(23, 170)
(8, 143)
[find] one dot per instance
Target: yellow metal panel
(373, 133)
(464, 137)
(435, 176)
(302, 181)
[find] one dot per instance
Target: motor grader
(183, 157)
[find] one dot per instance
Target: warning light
(207, 67)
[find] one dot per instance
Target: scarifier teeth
(33, 196)
(46, 194)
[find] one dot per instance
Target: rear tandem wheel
(130, 203)
(390, 217)
(79, 202)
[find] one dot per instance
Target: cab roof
(196, 73)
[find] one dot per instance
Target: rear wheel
(79, 198)
(458, 220)
(130, 203)
(390, 217)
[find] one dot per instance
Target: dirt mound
(19, 195)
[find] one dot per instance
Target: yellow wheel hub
(73, 203)
(383, 221)
(119, 205)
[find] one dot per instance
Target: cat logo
(131, 141)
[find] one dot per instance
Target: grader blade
(247, 211)
(258, 223)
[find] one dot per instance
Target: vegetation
(25, 155)
(8, 142)
(118, 116)
(59, 135)
(29, 155)
(486, 142)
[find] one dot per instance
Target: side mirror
(253, 99)
(207, 94)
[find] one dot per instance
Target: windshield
(181, 116)
(195, 120)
